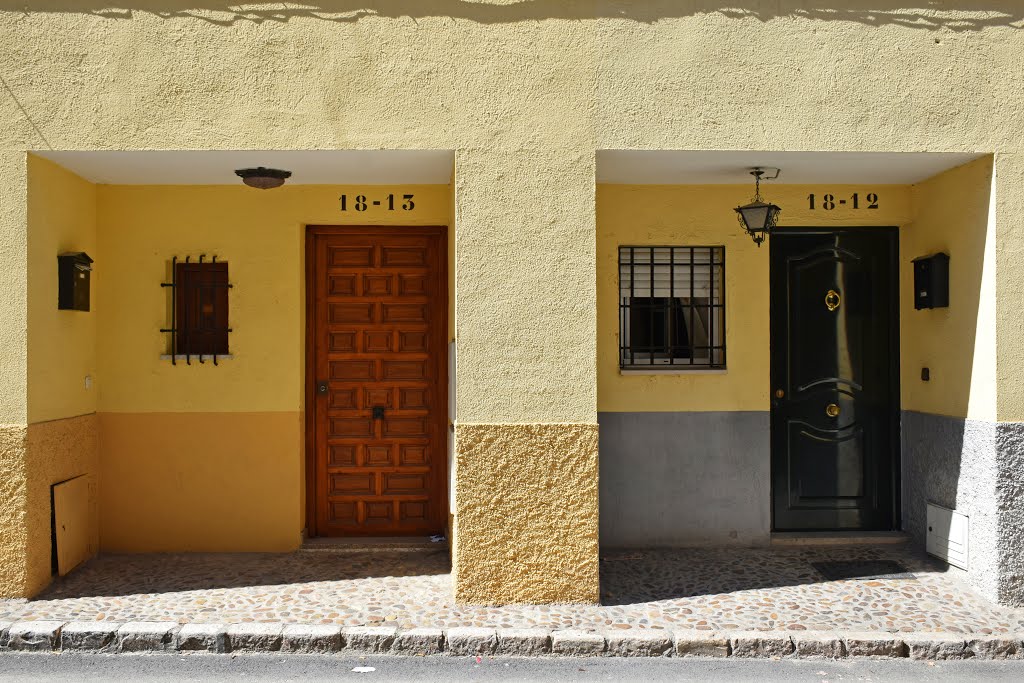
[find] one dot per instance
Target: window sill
(203, 358)
(673, 371)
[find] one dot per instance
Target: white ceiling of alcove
(433, 167)
(217, 167)
(680, 167)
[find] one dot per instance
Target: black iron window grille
(198, 309)
(671, 307)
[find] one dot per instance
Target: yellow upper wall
(1007, 222)
(261, 235)
(953, 213)
(61, 344)
(14, 300)
(702, 215)
(524, 92)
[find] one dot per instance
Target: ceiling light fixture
(758, 218)
(263, 178)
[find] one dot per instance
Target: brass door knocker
(832, 300)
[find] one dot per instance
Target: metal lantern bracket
(173, 329)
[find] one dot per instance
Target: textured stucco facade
(970, 466)
(34, 458)
(952, 462)
(526, 520)
(525, 94)
(58, 450)
(13, 551)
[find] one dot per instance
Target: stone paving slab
(721, 592)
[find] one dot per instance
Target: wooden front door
(377, 370)
(835, 379)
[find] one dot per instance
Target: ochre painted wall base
(201, 482)
(527, 515)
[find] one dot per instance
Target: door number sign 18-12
(855, 201)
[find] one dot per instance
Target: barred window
(671, 307)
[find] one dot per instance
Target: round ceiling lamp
(263, 178)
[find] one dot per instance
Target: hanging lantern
(758, 218)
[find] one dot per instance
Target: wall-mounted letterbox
(931, 281)
(74, 270)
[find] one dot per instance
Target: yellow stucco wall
(14, 285)
(203, 481)
(206, 457)
(61, 344)
(59, 439)
(1009, 276)
(261, 235)
(13, 370)
(524, 92)
(702, 215)
(953, 213)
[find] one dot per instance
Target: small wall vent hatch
(948, 535)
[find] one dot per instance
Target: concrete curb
(141, 636)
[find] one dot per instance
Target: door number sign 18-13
(828, 202)
(361, 202)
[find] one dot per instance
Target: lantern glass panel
(755, 217)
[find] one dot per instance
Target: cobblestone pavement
(712, 589)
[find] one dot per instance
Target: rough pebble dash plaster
(1010, 511)
(950, 461)
(527, 513)
(13, 532)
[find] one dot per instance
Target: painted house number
(359, 202)
(830, 201)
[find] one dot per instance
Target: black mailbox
(73, 274)
(931, 281)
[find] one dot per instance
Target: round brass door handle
(832, 410)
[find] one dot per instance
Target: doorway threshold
(818, 538)
(373, 544)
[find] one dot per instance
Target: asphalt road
(69, 667)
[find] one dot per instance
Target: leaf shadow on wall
(934, 15)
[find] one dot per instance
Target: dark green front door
(835, 379)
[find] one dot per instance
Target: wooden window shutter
(201, 318)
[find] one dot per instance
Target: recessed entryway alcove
(197, 455)
(686, 445)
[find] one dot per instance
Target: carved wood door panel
(378, 335)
